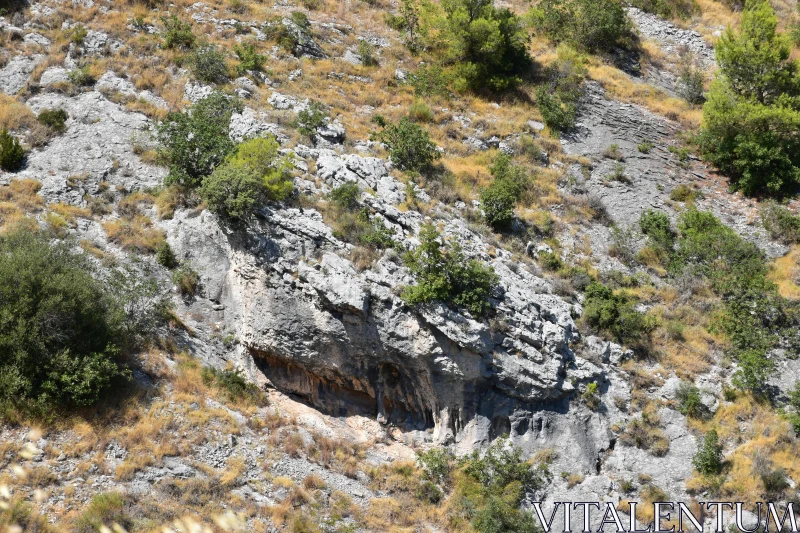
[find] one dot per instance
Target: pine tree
(752, 117)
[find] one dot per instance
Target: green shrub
(550, 261)
(436, 464)
(80, 77)
(498, 201)
(430, 80)
(312, 117)
(346, 196)
(591, 25)
(54, 119)
(62, 329)
(645, 147)
(754, 371)
(234, 385)
(492, 488)
(556, 114)
(657, 227)
(614, 314)
(367, 53)
(752, 114)
(249, 59)
(207, 63)
(12, 155)
(165, 256)
(194, 143)
(79, 33)
(689, 401)
(780, 223)
(500, 197)
(177, 34)
(708, 460)
(255, 173)
(410, 147)
(445, 275)
(557, 99)
(484, 47)
(419, 111)
(590, 396)
(232, 193)
(691, 82)
(301, 19)
(104, 509)
(187, 280)
(684, 193)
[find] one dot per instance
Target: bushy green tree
(410, 147)
(557, 98)
(207, 63)
(591, 25)
(500, 197)
(61, 330)
(195, 142)
(255, 173)
(493, 487)
(312, 117)
(614, 313)
(657, 227)
(249, 59)
(11, 152)
(752, 116)
(486, 46)
(708, 460)
(445, 275)
(177, 34)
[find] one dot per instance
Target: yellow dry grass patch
(750, 428)
(620, 86)
(134, 235)
(15, 115)
(784, 273)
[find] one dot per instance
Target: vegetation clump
(54, 119)
(752, 115)
(410, 146)
(445, 275)
(63, 329)
(12, 155)
(177, 34)
(500, 197)
(207, 63)
(252, 175)
(590, 25)
(484, 47)
(194, 143)
(613, 312)
(708, 459)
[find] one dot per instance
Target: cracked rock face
(347, 343)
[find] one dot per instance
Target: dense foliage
(500, 197)
(255, 173)
(484, 46)
(53, 118)
(708, 460)
(12, 154)
(591, 25)
(207, 63)
(557, 98)
(614, 313)
(62, 329)
(445, 275)
(194, 143)
(752, 116)
(410, 147)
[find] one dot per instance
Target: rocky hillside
(336, 341)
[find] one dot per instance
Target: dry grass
(785, 273)
(24, 194)
(136, 235)
(15, 115)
